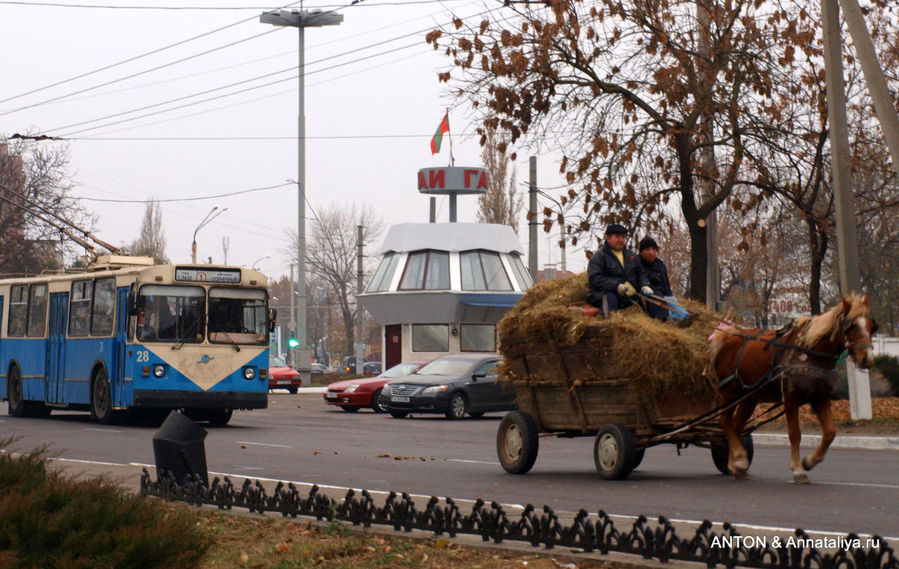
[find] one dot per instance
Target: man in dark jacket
(656, 273)
(614, 273)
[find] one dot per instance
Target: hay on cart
(545, 340)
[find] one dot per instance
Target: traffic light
(292, 342)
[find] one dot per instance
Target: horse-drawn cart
(575, 391)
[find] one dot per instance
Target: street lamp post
(301, 19)
(213, 213)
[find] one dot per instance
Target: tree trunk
(817, 250)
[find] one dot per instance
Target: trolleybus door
(121, 339)
(59, 305)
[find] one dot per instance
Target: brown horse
(796, 365)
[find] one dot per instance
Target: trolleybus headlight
(249, 373)
(159, 370)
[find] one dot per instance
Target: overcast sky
(88, 72)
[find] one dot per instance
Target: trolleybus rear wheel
(517, 442)
(614, 452)
(101, 398)
(18, 407)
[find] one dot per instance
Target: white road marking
(103, 430)
(263, 444)
(862, 484)
(492, 463)
(88, 461)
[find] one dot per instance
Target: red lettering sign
(482, 178)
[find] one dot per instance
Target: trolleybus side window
(18, 311)
(170, 313)
(104, 307)
(80, 309)
(237, 315)
(37, 310)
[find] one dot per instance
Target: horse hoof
(741, 463)
(806, 465)
(800, 478)
(741, 474)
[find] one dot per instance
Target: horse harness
(784, 370)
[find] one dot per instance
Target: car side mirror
(479, 375)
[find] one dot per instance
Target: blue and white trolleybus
(129, 334)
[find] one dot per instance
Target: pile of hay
(660, 356)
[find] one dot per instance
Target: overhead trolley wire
(129, 60)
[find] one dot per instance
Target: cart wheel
(613, 452)
(517, 442)
(720, 455)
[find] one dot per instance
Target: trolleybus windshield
(171, 313)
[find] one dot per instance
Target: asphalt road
(301, 439)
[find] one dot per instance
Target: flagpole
(449, 132)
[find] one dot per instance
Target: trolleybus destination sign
(207, 275)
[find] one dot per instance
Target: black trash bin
(178, 447)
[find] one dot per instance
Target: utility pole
(532, 214)
(360, 357)
(847, 240)
(301, 19)
(292, 325)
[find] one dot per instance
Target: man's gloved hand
(647, 290)
(622, 289)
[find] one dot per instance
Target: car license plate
(284, 382)
(332, 396)
(399, 399)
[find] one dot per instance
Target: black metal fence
(539, 527)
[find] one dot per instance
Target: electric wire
(279, 81)
(194, 199)
(134, 58)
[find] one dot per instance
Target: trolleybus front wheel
(721, 453)
(218, 417)
(614, 452)
(517, 442)
(101, 398)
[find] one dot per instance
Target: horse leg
(740, 457)
(828, 432)
(736, 453)
(791, 411)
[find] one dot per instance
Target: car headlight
(249, 373)
(159, 370)
(351, 388)
(434, 389)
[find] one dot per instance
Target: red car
(354, 394)
(282, 376)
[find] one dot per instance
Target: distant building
(441, 288)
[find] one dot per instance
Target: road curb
(840, 442)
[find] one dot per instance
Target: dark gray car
(452, 385)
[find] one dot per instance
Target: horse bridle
(845, 325)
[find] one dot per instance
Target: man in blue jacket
(614, 273)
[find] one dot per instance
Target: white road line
(89, 461)
(862, 484)
(492, 463)
(103, 430)
(263, 444)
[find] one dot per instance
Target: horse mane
(828, 323)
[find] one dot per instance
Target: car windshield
(275, 361)
(401, 369)
(445, 367)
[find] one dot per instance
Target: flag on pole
(438, 136)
